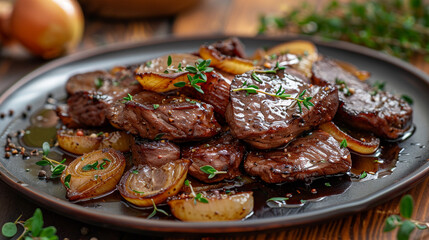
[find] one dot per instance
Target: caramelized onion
(94, 181)
(305, 49)
(152, 77)
(221, 207)
(228, 64)
(73, 142)
(363, 147)
(142, 184)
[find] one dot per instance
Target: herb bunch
(403, 221)
(199, 70)
(397, 27)
(57, 168)
(33, 228)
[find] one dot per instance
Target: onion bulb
(93, 174)
(364, 147)
(47, 28)
(220, 207)
(142, 184)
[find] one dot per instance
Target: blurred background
(34, 32)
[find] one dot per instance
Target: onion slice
(85, 182)
(233, 65)
(142, 184)
(363, 147)
(221, 207)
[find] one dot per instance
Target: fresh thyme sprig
(197, 197)
(343, 87)
(57, 168)
(211, 171)
(155, 210)
(128, 98)
(199, 70)
(300, 99)
(400, 28)
(404, 222)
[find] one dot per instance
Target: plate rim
(134, 224)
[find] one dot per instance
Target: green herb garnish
(200, 198)
(407, 99)
(363, 175)
(135, 172)
(211, 171)
(343, 143)
(33, 228)
(179, 84)
(155, 106)
(138, 192)
(404, 222)
(57, 168)
(300, 99)
(98, 82)
(155, 210)
(328, 184)
(159, 136)
(127, 98)
(278, 199)
(67, 181)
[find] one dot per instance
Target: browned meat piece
(361, 107)
(216, 91)
(88, 108)
(92, 94)
(231, 47)
(175, 118)
(154, 153)
(224, 153)
(268, 122)
(315, 155)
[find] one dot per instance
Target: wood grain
(232, 17)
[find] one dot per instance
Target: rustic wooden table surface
(230, 17)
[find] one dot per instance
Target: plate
(33, 89)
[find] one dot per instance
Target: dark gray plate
(400, 78)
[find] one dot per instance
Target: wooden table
(231, 17)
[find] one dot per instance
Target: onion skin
(92, 183)
(233, 65)
(47, 28)
(219, 208)
(140, 186)
(352, 143)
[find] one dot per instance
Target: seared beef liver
(315, 155)
(230, 47)
(175, 118)
(269, 122)
(224, 153)
(379, 112)
(92, 94)
(88, 108)
(154, 153)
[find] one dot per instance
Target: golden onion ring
(363, 147)
(89, 182)
(153, 78)
(142, 184)
(222, 207)
(228, 64)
